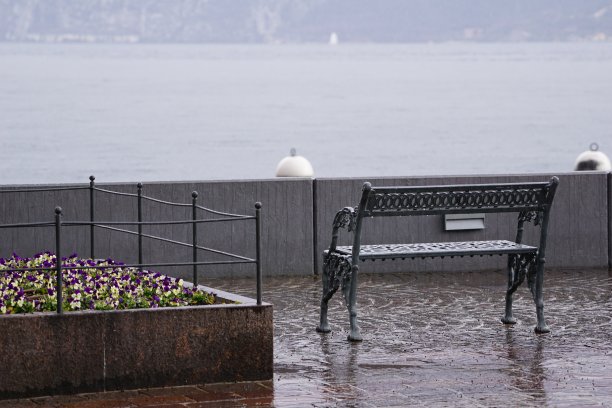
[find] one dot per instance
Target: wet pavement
(430, 339)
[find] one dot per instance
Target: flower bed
(112, 288)
(90, 350)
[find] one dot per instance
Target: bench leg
(538, 298)
(323, 326)
(512, 264)
(335, 270)
(350, 294)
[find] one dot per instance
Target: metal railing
(113, 226)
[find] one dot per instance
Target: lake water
(191, 112)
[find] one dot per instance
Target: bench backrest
(531, 200)
(456, 199)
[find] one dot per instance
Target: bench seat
(438, 249)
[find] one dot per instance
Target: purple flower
(97, 284)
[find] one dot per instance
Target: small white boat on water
(333, 38)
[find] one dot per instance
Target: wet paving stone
(430, 339)
(436, 339)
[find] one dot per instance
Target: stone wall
(296, 219)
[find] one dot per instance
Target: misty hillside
(270, 21)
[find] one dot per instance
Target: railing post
(194, 230)
(258, 244)
(139, 186)
(91, 216)
(58, 257)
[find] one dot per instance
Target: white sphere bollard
(294, 166)
(592, 160)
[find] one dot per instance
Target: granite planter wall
(92, 351)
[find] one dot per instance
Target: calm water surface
(183, 112)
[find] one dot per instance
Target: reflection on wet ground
(436, 339)
(429, 340)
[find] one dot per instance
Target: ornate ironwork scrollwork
(522, 265)
(337, 272)
(528, 216)
(458, 199)
(346, 218)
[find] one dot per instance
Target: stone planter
(93, 351)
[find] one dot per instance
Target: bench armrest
(345, 218)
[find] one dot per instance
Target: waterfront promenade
(430, 339)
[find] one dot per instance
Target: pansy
(115, 287)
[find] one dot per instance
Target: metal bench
(532, 202)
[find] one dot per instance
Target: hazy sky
(272, 21)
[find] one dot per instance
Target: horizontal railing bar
(184, 244)
(183, 264)
(239, 218)
(98, 223)
(115, 192)
(220, 212)
(39, 190)
(28, 224)
(65, 266)
(216, 251)
(166, 202)
(157, 200)
(124, 194)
